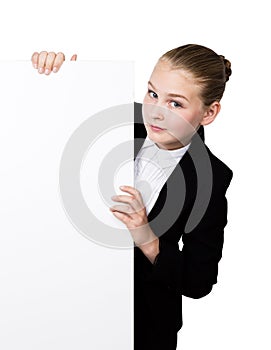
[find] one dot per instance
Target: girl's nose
(157, 112)
(153, 113)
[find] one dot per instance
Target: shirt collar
(166, 158)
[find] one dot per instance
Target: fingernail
(113, 197)
(47, 71)
(54, 69)
(35, 66)
(122, 187)
(41, 70)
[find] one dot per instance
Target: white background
(236, 314)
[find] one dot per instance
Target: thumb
(74, 57)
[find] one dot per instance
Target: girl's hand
(46, 62)
(134, 216)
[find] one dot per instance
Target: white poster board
(59, 287)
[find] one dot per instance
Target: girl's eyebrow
(170, 94)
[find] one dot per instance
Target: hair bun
(227, 65)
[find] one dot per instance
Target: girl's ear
(211, 113)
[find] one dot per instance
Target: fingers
(129, 209)
(74, 57)
(136, 195)
(135, 201)
(123, 217)
(41, 61)
(126, 209)
(46, 62)
(49, 62)
(59, 59)
(34, 59)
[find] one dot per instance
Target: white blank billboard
(59, 289)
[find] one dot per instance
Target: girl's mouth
(156, 128)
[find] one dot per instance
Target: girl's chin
(153, 136)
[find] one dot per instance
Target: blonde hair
(210, 70)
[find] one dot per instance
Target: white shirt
(153, 167)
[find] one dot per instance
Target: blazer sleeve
(193, 270)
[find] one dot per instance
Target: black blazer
(192, 271)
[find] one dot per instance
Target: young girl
(175, 173)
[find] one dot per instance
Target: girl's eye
(176, 104)
(152, 94)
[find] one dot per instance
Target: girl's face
(172, 103)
